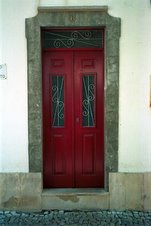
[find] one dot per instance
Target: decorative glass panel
(72, 39)
(88, 100)
(57, 101)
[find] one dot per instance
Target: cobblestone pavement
(75, 218)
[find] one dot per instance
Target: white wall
(135, 70)
(13, 93)
(0, 86)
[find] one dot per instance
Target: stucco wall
(135, 71)
(13, 90)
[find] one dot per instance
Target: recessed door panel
(58, 147)
(88, 154)
(73, 119)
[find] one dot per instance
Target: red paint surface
(73, 156)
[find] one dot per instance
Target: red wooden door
(57, 119)
(89, 112)
(73, 119)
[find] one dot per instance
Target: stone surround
(94, 17)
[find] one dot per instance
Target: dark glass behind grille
(72, 39)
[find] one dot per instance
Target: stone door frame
(65, 17)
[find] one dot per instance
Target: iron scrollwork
(71, 39)
(57, 101)
(88, 99)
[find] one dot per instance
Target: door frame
(67, 17)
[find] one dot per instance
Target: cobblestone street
(75, 218)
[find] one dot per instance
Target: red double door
(73, 119)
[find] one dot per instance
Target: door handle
(77, 119)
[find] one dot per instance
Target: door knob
(77, 119)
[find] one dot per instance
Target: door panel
(57, 119)
(88, 144)
(73, 119)
(89, 108)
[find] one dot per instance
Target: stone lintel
(73, 9)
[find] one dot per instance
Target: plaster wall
(0, 84)
(13, 90)
(135, 71)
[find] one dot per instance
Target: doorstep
(75, 199)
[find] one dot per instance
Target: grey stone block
(20, 191)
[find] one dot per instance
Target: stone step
(72, 199)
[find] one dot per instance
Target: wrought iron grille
(88, 101)
(72, 39)
(57, 101)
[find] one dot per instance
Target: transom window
(72, 39)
